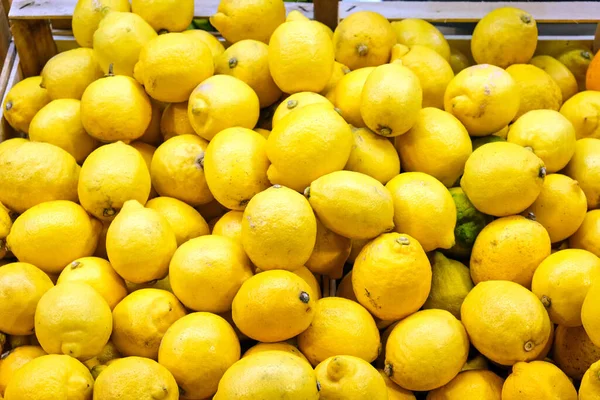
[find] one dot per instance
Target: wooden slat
(4, 33)
(326, 11)
(8, 78)
(35, 44)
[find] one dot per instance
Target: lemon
(21, 287)
(186, 222)
(585, 169)
(5, 226)
(177, 170)
(278, 346)
(119, 40)
(73, 319)
(537, 89)
(484, 98)
(115, 108)
(395, 392)
(434, 72)
(197, 350)
(147, 152)
(52, 234)
(311, 279)
(588, 234)
(510, 249)
(296, 15)
(577, 59)
(33, 173)
(392, 276)
(348, 95)
(324, 137)
(110, 176)
(329, 254)
(52, 376)
(152, 135)
(458, 60)
(216, 263)
(412, 31)
(346, 377)
(135, 378)
(556, 47)
(296, 102)
(505, 322)
(301, 57)
(559, 72)
(238, 20)
(363, 39)
(560, 207)
(573, 351)
(23, 101)
(248, 60)
(373, 155)
(175, 121)
(141, 319)
(340, 326)
(278, 229)
(590, 384)
(504, 37)
(450, 284)
(352, 204)
(436, 136)
(235, 165)
(538, 380)
(230, 225)
(391, 99)
(68, 74)
(14, 360)
(165, 15)
(583, 110)
(221, 102)
(470, 385)
(409, 360)
(339, 70)
(88, 14)
(269, 375)
(59, 123)
(99, 274)
(170, 66)
(211, 41)
(503, 178)
(424, 209)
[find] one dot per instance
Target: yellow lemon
(165, 15)
(278, 346)
(395, 392)
(301, 57)
(68, 74)
(503, 178)
(110, 176)
(296, 15)
(409, 360)
(458, 60)
(329, 254)
(279, 229)
(221, 102)
(437, 144)
(238, 20)
(269, 375)
(119, 39)
(484, 98)
(197, 350)
(363, 39)
(373, 155)
(147, 152)
(141, 319)
(186, 222)
(248, 60)
(585, 169)
(573, 351)
(470, 385)
(88, 14)
(177, 170)
(21, 287)
(352, 204)
(424, 209)
(504, 37)
(577, 59)
(5, 226)
(537, 89)
(311, 279)
(588, 235)
(230, 225)
(391, 99)
(72, 318)
(412, 31)
(505, 322)
(560, 207)
(324, 137)
(52, 234)
(345, 377)
(134, 378)
(172, 65)
(152, 135)
(216, 263)
(434, 72)
(559, 72)
(296, 102)
(51, 377)
(556, 47)
(340, 326)
(23, 101)
(392, 276)
(583, 110)
(14, 360)
(211, 41)
(538, 380)
(175, 121)
(99, 274)
(339, 70)
(590, 384)
(348, 95)
(34, 172)
(235, 165)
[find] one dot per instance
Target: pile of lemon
(173, 205)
